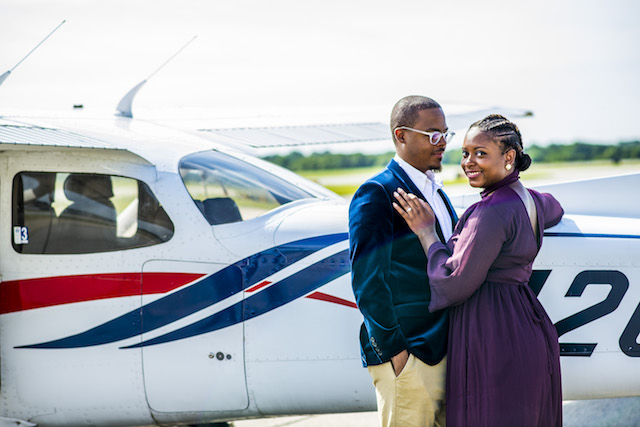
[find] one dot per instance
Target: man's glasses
(434, 137)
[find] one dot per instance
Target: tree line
(578, 151)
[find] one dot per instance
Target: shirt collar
(420, 179)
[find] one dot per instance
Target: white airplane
(151, 276)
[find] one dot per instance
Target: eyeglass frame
(430, 134)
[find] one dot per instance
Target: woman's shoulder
(487, 216)
(489, 206)
(494, 211)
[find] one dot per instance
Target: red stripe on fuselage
(258, 286)
(330, 298)
(18, 295)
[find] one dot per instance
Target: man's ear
(399, 134)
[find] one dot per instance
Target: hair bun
(524, 162)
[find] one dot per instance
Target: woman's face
(483, 161)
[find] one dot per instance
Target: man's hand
(399, 360)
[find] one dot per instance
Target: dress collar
(509, 179)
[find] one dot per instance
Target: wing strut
(124, 106)
(6, 74)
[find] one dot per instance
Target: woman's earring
(508, 166)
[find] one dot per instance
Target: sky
(574, 63)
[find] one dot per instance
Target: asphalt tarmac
(622, 412)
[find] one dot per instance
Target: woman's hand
(418, 214)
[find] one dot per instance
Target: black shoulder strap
(452, 212)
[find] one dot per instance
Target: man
(403, 345)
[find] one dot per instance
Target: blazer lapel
(394, 167)
(402, 176)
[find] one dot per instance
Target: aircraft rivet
(228, 357)
(220, 355)
(211, 355)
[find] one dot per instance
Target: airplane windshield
(227, 189)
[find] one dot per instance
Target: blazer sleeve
(370, 240)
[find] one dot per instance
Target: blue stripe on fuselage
(200, 295)
(277, 295)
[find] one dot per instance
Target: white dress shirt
(428, 183)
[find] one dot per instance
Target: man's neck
(404, 163)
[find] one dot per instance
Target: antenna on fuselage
(124, 106)
(6, 74)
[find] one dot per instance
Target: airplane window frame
(45, 221)
(245, 191)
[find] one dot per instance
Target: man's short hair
(405, 112)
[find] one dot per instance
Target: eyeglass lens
(435, 137)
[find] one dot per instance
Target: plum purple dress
(503, 360)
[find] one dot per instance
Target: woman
(503, 364)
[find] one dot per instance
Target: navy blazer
(389, 274)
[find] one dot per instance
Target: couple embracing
(452, 332)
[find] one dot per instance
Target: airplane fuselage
(211, 276)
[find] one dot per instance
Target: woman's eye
(465, 154)
(480, 153)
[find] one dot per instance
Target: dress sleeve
(455, 273)
(370, 240)
(552, 211)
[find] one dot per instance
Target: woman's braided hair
(502, 130)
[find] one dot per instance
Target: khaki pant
(413, 398)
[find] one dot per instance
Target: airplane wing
(17, 133)
(284, 136)
(458, 117)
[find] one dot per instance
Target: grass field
(346, 181)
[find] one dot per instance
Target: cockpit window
(76, 213)
(227, 189)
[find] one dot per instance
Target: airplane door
(192, 341)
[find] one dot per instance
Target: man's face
(415, 148)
